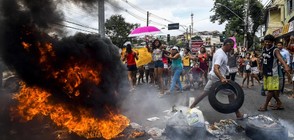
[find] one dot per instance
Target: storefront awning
(286, 31)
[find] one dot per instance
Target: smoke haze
(29, 22)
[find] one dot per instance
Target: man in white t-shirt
(218, 72)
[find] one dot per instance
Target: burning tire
(12, 84)
(270, 132)
(234, 105)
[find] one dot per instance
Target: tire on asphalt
(226, 108)
(255, 132)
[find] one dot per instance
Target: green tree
(118, 29)
(235, 24)
(173, 41)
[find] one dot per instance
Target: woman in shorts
(130, 56)
(254, 68)
(247, 69)
(157, 54)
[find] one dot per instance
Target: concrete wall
(274, 20)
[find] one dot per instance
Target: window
(290, 6)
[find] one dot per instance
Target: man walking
(272, 73)
(218, 72)
(286, 57)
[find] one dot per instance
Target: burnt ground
(142, 104)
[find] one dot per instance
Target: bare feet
(291, 96)
(241, 116)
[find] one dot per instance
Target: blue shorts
(158, 64)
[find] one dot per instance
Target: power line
(158, 17)
(125, 10)
(85, 26)
(136, 7)
(74, 28)
(134, 15)
(152, 15)
(79, 13)
(144, 11)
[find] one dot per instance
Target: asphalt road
(145, 103)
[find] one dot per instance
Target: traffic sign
(173, 26)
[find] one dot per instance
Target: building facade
(280, 19)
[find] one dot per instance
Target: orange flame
(26, 45)
(34, 101)
(72, 78)
(45, 51)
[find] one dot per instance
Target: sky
(163, 12)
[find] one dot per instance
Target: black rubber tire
(12, 84)
(226, 108)
(261, 133)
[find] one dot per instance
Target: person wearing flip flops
(272, 72)
(218, 72)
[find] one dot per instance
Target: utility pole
(187, 34)
(246, 25)
(190, 31)
(147, 18)
(192, 23)
(101, 17)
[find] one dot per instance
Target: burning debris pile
(223, 128)
(77, 81)
(264, 127)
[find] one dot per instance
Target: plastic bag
(155, 132)
(195, 118)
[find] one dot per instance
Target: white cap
(127, 43)
(175, 48)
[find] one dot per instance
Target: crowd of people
(170, 68)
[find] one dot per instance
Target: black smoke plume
(30, 21)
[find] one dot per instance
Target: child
(241, 65)
(141, 74)
(196, 75)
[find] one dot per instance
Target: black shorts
(132, 67)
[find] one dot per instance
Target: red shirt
(203, 61)
(202, 58)
(164, 60)
(131, 58)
